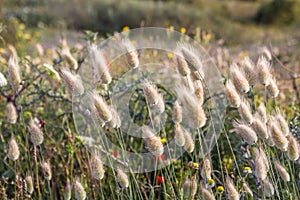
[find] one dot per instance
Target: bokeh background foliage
(251, 19)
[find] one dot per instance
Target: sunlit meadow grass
(43, 156)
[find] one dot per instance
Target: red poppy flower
(160, 158)
(115, 153)
(160, 179)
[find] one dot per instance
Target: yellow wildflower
(126, 28)
(183, 30)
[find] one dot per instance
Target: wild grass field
(205, 107)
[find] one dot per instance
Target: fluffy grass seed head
(179, 135)
(245, 112)
(99, 65)
(233, 97)
(282, 172)
(131, 55)
(106, 77)
(196, 76)
(293, 148)
(189, 145)
(36, 134)
(73, 82)
(193, 110)
(232, 193)
(13, 149)
(103, 110)
(260, 167)
(199, 91)
(206, 169)
(191, 57)
(189, 188)
(283, 124)
(160, 106)
(182, 66)
(277, 135)
(14, 73)
(29, 184)
(11, 113)
(206, 194)
(272, 88)
(247, 189)
(3, 81)
(249, 70)
(177, 112)
(270, 140)
(151, 93)
(69, 58)
(115, 122)
(263, 71)
(154, 145)
(239, 80)
(47, 170)
(153, 142)
(122, 178)
(95, 116)
(68, 190)
(80, 193)
(260, 128)
(187, 81)
(262, 112)
(259, 151)
(268, 188)
(97, 167)
(267, 53)
(245, 132)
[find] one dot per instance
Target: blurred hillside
(247, 21)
